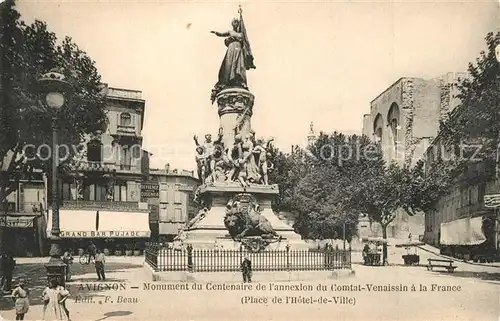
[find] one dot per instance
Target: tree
(477, 118)
(383, 190)
(28, 51)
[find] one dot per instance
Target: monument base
(210, 232)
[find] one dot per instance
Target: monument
(235, 195)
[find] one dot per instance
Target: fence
(213, 260)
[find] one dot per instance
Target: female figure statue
(238, 58)
(248, 170)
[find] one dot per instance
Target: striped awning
(101, 224)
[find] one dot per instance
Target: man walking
(100, 260)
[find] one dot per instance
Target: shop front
(21, 234)
(116, 233)
(468, 238)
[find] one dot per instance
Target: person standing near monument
(246, 270)
(100, 260)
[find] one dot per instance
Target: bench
(447, 264)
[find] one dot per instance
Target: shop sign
(16, 222)
(104, 234)
(150, 190)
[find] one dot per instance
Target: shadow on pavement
(114, 314)
(36, 280)
(469, 274)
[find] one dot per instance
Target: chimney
(167, 167)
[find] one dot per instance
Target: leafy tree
(28, 51)
(388, 188)
(477, 119)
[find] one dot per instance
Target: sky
(317, 61)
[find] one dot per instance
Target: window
(94, 151)
(121, 192)
(163, 213)
(163, 195)
(178, 215)
(125, 158)
(66, 192)
(99, 192)
(125, 119)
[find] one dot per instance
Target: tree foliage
(341, 177)
(28, 51)
(477, 118)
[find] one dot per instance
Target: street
(374, 293)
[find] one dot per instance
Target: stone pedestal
(211, 231)
(235, 105)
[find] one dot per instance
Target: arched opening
(394, 122)
(125, 119)
(378, 126)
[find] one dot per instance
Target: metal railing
(161, 258)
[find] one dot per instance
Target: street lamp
(55, 88)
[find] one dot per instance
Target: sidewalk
(435, 251)
(121, 274)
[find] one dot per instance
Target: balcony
(91, 166)
(126, 130)
(25, 207)
(104, 167)
(102, 205)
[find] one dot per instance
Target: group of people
(94, 254)
(53, 297)
(55, 294)
(246, 161)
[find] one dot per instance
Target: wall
(176, 205)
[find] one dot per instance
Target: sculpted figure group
(246, 161)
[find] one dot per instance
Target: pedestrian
(92, 251)
(8, 270)
(54, 297)
(100, 260)
(68, 260)
(246, 270)
(20, 295)
(3, 265)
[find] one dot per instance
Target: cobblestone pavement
(475, 297)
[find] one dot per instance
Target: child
(21, 300)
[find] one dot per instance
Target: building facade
(22, 220)
(461, 223)
(404, 120)
(101, 197)
(175, 200)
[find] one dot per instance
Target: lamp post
(53, 87)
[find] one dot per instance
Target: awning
(17, 221)
(465, 231)
(124, 224)
(100, 224)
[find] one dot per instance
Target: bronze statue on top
(238, 58)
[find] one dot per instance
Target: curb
(457, 260)
(235, 277)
